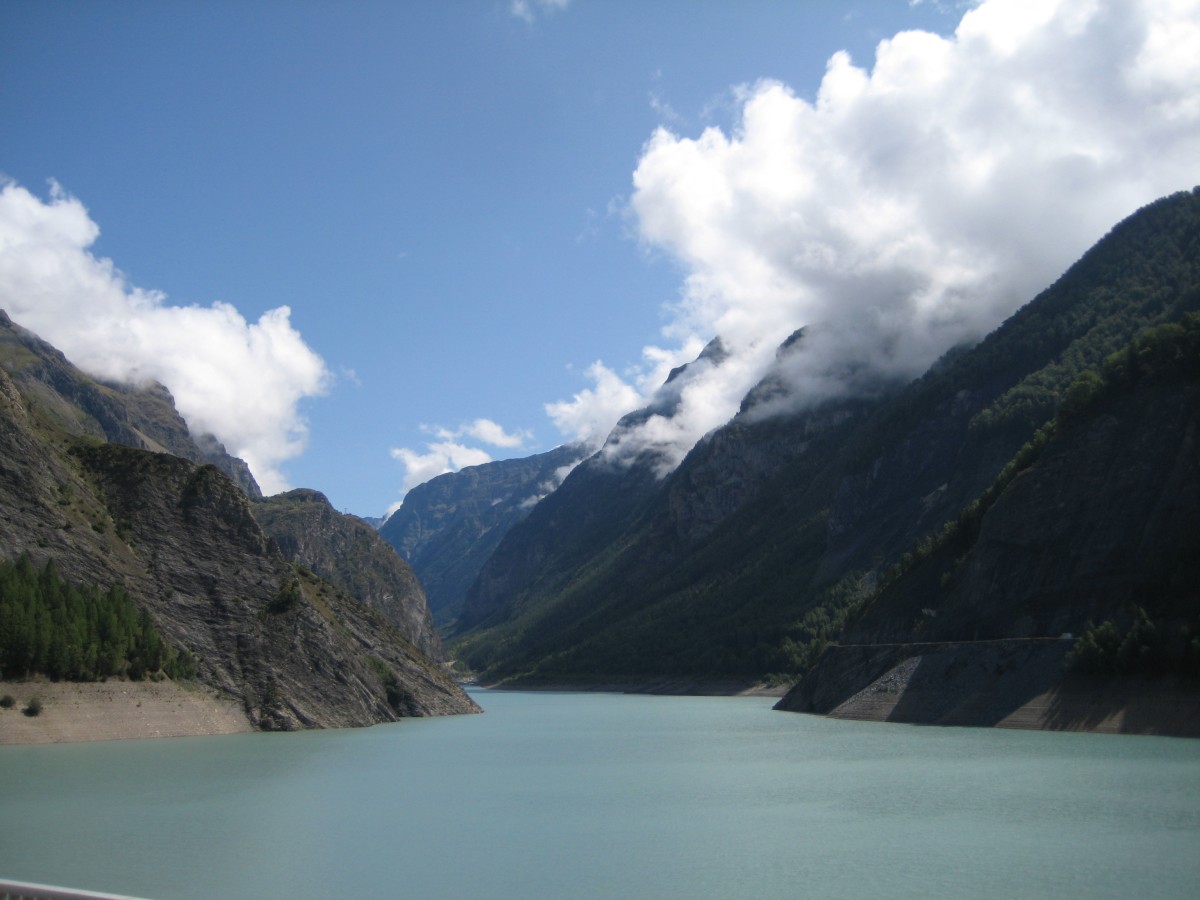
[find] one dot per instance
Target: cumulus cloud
(912, 205)
(531, 9)
(439, 458)
(592, 413)
(447, 453)
(239, 381)
(489, 432)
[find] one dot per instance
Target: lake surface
(603, 795)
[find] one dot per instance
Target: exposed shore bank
(1002, 684)
(670, 687)
(1165, 710)
(120, 710)
(115, 710)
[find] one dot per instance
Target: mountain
(586, 514)
(142, 416)
(350, 554)
(179, 536)
(748, 559)
(449, 526)
(1093, 528)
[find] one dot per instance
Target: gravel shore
(115, 710)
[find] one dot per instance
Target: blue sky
(443, 195)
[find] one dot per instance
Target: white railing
(23, 890)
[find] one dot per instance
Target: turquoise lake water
(603, 795)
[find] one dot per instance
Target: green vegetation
(33, 707)
(1142, 647)
(819, 627)
(1146, 277)
(958, 535)
(287, 599)
(7, 701)
(398, 697)
(65, 631)
(601, 585)
(1158, 355)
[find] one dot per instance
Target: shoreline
(74, 712)
(1075, 705)
(112, 710)
(665, 687)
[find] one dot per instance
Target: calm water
(567, 795)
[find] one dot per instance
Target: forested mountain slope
(1077, 571)
(747, 558)
(585, 516)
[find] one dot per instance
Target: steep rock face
(450, 525)
(600, 501)
(1106, 519)
(352, 556)
(733, 464)
(295, 650)
(181, 539)
(1092, 528)
(138, 416)
(748, 556)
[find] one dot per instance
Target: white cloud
(531, 9)
(489, 432)
(663, 109)
(448, 454)
(912, 205)
(439, 458)
(484, 430)
(589, 416)
(551, 484)
(239, 381)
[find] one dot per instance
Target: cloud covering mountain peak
(911, 206)
(239, 381)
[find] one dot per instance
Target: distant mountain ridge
(747, 559)
(448, 526)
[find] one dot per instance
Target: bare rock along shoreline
(1012, 683)
(116, 710)
(124, 710)
(681, 686)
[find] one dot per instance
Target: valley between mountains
(1017, 528)
(1012, 539)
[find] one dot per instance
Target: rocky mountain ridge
(352, 556)
(138, 416)
(181, 538)
(748, 558)
(448, 526)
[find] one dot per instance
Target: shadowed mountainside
(1096, 521)
(450, 525)
(747, 560)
